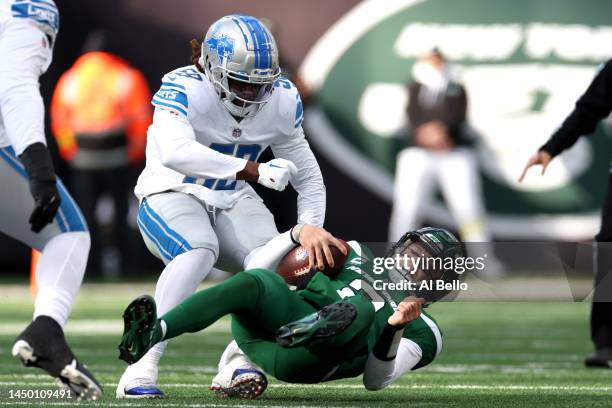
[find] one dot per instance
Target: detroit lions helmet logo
(222, 45)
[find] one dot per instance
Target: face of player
(248, 92)
(415, 251)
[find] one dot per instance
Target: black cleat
(327, 322)
(42, 344)
(599, 359)
(141, 329)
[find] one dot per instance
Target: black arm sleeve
(386, 346)
(594, 105)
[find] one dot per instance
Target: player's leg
(87, 191)
(413, 187)
(176, 229)
(237, 375)
(259, 295)
(333, 339)
(64, 245)
(460, 184)
(242, 230)
(601, 309)
(120, 189)
(260, 303)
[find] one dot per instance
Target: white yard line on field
(499, 387)
(95, 327)
(140, 403)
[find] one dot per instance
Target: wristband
(295, 233)
(387, 344)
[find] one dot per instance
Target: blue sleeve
(172, 96)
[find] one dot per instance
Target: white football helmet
(240, 57)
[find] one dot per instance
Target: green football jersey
(357, 277)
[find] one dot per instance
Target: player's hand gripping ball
(293, 268)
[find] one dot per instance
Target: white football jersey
(27, 31)
(43, 13)
(187, 97)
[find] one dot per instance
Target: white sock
(234, 355)
(178, 281)
(59, 274)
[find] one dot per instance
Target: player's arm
(23, 115)
(178, 149)
(308, 182)
(269, 256)
(393, 355)
(594, 105)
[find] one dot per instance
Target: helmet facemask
(426, 244)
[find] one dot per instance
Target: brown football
(294, 266)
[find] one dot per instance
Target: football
(294, 266)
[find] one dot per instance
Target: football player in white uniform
(212, 120)
(36, 208)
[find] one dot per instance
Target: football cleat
(598, 359)
(141, 329)
(246, 383)
(139, 389)
(42, 344)
(327, 322)
(139, 381)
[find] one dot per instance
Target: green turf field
(511, 354)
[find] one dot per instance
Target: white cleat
(246, 383)
(139, 383)
(139, 389)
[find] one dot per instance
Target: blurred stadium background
(523, 63)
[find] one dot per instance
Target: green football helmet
(438, 243)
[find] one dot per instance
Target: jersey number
(244, 151)
(360, 284)
(187, 73)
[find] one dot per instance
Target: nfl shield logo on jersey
(237, 133)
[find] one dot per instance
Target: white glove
(276, 173)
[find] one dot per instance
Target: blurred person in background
(36, 208)
(100, 112)
(440, 154)
(594, 105)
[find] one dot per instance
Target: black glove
(37, 162)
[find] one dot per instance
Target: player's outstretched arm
(317, 241)
(269, 256)
(594, 105)
(308, 181)
(393, 355)
(541, 157)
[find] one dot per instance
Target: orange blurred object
(34, 264)
(100, 97)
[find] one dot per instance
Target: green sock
(240, 293)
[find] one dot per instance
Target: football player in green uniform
(331, 329)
